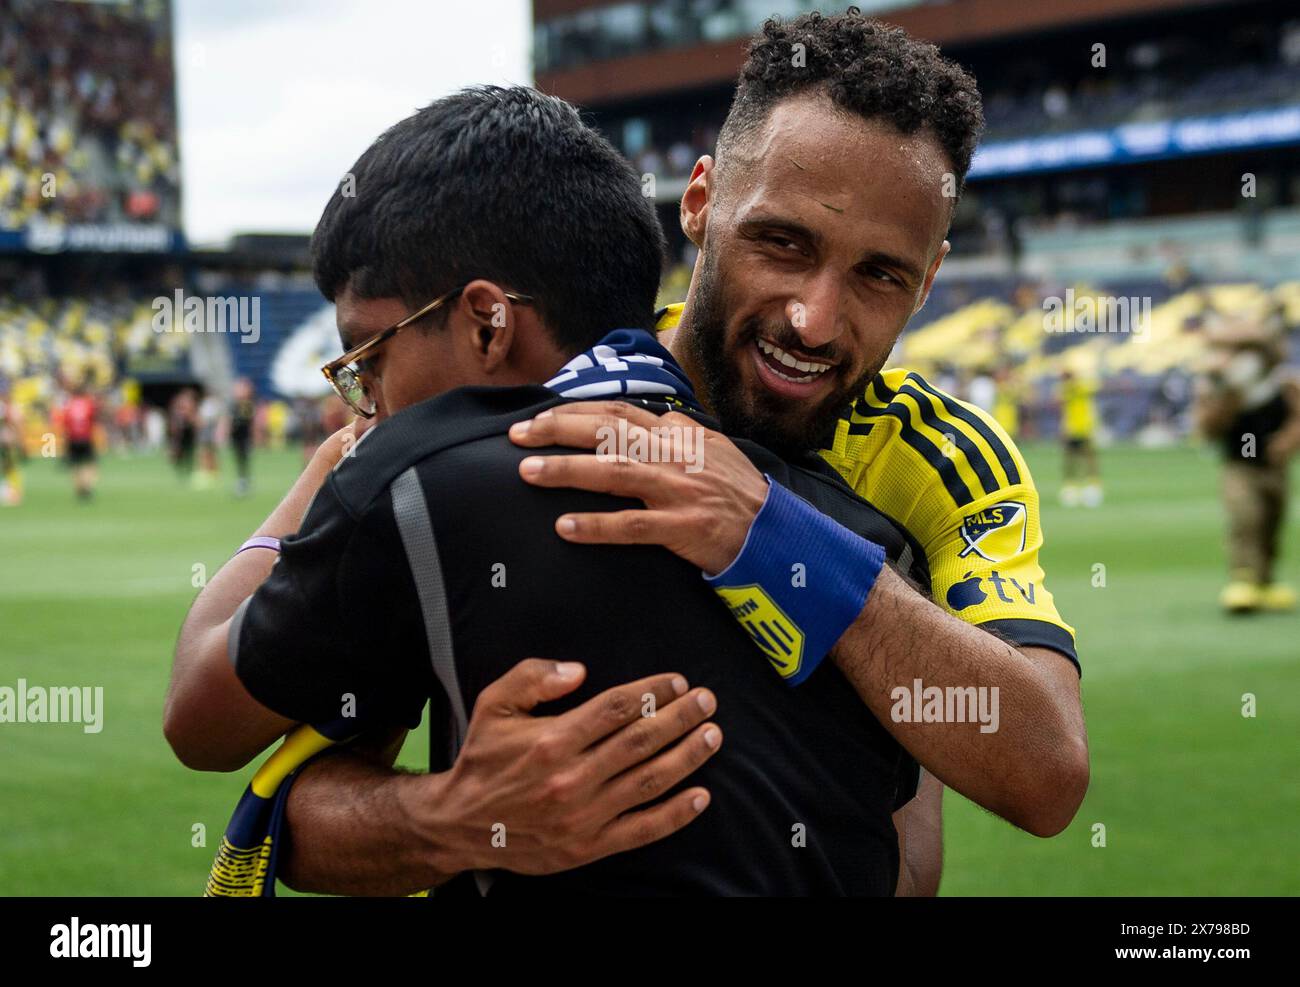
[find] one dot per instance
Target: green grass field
(1195, 798)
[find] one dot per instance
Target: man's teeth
(810, 370)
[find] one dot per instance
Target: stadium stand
(87, 114)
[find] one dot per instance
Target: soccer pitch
(1195, 798)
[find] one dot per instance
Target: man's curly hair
(866, 67)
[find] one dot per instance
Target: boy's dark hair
(506, 184)
(866, 67)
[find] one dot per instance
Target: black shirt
(241, 420)
(426, 546)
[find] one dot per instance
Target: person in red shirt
(79, 416)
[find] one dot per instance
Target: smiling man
(821, 226)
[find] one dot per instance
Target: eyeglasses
(346, 374)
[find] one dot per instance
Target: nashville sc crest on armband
(779, 637)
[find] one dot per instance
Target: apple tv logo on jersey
(966, 593)
(970, 591)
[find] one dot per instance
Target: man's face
(820, 237)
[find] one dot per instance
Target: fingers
(634, 527)
(640, 740)
(615, 708)
(617, 475)
(582, 431)
(637, 829)
(613, 409)
(647, 782)
(532, 682)
(577, 423)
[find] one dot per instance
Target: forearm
(210, 721)
(350, 830)
(1031, 767)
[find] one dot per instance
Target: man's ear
(929, 275)
(695, 201)
(487, 323)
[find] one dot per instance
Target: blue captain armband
(799, 581)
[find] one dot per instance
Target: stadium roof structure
(677, 50)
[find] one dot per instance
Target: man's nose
(815, 314)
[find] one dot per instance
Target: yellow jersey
(1078, 409)
(1006, 408)
(949, 474)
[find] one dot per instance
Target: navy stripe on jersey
(942, 465)
(955, 435)
(999, 447)
(1028, 632)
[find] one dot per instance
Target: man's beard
(780, 424)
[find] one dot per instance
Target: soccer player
(1006, 403)
(1249, 404)
(1078, 435)
(243, 411)
(79, 416)
(425, 569)
(831, 288)
(182, 430)
(210, 414)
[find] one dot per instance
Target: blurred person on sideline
(128, 418)
(1006, 401)
(243, 411)
(1078, 433)
(275, 423)
(78, 417)
(1248, 403)
(309, 415)
(182, 430)
(210, 415)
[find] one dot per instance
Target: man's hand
(702, 492)
(531, 794)
(556, 788)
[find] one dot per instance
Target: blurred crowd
(987, 342)
(1004, 354)
(49, 341)
(87, 121)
